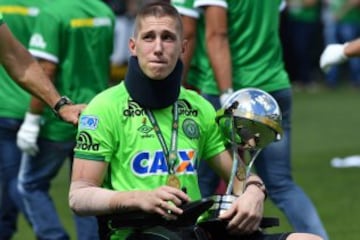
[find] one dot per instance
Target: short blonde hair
(158, 9)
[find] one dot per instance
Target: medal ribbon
(170, 156)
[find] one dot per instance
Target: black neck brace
(149, 93)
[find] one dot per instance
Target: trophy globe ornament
(250, 113)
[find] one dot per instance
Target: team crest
(191, 129)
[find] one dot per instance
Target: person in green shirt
(26, 72)
(20, 17)
(238, 46)
(139, 142)
(74, 48)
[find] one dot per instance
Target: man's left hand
(246, 212)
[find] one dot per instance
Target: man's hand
(225, 95)
(28, 134)
(332, 55)
(246, 212)
(71, 113)
(163, 200)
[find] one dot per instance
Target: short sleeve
(95, 139)
(46, 37)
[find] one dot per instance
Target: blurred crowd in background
(307, 26)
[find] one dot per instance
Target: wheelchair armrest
(216, 226)
(267, 222)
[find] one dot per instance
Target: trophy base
(221, 204)
(213, 224)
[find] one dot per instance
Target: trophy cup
(250, 119)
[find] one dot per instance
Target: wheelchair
(150, 226)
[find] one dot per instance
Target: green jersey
(79, 41)
(198, 61)
(20, 17)
(1, 19)
(302, 13)
(255, 47)
(185, 7)
(343, 13)
(115, 129)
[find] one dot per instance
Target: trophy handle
(241, 171)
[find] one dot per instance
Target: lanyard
(170, 156)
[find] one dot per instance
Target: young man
(238, 46)
(123, 159)
(74, 48)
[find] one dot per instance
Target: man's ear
(184, 45)
(132, 46)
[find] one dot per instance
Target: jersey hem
(44, 55)
(202, 3)
(188, 12)
(89, 157)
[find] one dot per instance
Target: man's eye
(168, 37)
(148, 37)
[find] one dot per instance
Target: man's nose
(158, 46)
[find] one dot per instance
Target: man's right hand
(164, 200)
(28, 134)
(332, 55)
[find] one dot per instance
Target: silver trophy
(250, 119)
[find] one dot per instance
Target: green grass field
(326, 124)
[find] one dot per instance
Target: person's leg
(330, 36)
(274, 236)
(35, 176)
(208, 179)
(303, 33)
(86, 228)
(273, 165)
(10, 201)
(349, 32)
(302, 236)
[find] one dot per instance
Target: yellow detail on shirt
(31, 11)
(90, 22)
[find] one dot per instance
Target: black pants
(162, 233)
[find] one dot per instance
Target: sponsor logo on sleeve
(88, 122)
(85, 142)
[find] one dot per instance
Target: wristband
(260, 185)
(62, 102)
(227, 91)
